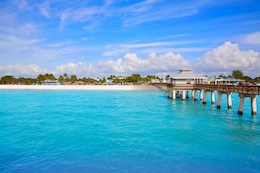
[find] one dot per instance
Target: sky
(99, 38)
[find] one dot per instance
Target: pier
(181, 91)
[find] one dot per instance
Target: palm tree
(237, 74)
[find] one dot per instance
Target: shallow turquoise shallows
(124, 131)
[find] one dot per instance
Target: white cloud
(131, 63)
(17, 70)
(229, 57)
(251, 38)
(79, 68)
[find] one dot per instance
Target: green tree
(61, 79)
(237, 74)
(135, 78)
(103, 80)
(257, 79)
(40, 78)
(116, 80)
(247, 78)
(111, 77)
(73, 78)
(8, 80)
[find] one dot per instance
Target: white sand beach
(78, 87)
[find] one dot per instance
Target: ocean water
(124, 131)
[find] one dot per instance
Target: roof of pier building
(188, 74)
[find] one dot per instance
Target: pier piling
(204, 97)
(229, 100)
(219, 100)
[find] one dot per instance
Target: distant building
(155, 80)
(50, 82)
(186, 76)
(227, 81)
(121, 77)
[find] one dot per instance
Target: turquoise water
(124, 131)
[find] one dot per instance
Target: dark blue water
(124, 131)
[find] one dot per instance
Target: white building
(186, 76)
(50, 82)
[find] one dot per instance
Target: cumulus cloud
(229, 57)
(17, 70)
(221, 60)
(131, 63)
(79, 68)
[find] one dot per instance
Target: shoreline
(79, 87)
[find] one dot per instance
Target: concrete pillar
(177, 94)
(229, 100)
(212, 97)
(173, 94)
(219, 100)
(183, 95)
(253, 105)
(195, 95)
(201, 94)
(204, 97)
(170, 94)
(241, 104)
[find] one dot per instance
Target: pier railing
(230, 88)
(181, 86)
(226, 88)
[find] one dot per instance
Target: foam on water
(124, 131)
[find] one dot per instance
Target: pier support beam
(170, 94)
(201, 94)
(184, 95)
(194, 94)
(241, 104)
(242, 100)
(229, 100)
(173, 94)
(219, 100)
(204, 97)
(253, 105)
(212, 97)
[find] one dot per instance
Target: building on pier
(186, 76)
(227, 81)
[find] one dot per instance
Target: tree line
(66, 79)
(133, 79)
(238, 74)
(42, 77)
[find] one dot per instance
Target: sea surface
(57, 131)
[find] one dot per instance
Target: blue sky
(96, 38)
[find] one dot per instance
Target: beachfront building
(227, 81)
(50, 82)
(186, 76)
